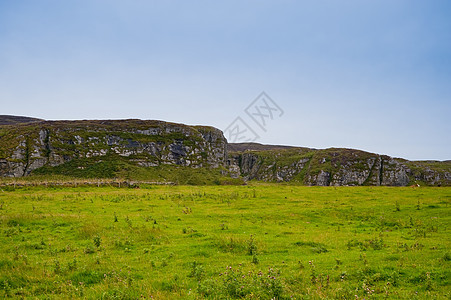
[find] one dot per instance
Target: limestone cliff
(30, 146)
(332, 167)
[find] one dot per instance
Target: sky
(372, 75)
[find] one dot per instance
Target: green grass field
(259, 241)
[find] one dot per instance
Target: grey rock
(56, 142)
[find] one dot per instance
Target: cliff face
(335, 167)
(132, 148)
(28, 147)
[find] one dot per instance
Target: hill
(145, 150)
(241, 147)
(11, 120)
(153, 150)
(334, 166)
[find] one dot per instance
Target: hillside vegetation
(13, 120)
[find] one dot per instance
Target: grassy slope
(115, 166)
(373, 242)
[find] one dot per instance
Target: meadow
(259, 241)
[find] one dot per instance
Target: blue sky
(372, 75)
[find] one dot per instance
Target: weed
(89, 250)
(364, 259)
(97, 241)
(5, 286)
(72, 265)
(313, 276)
(251, 246)
(128, 221)
(338, 263)
(376, 243)
(428, 282)
(56, 266)
(187, 210)
(255, 259)
(197, 271)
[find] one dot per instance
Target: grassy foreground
(222, 242)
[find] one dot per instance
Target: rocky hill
(334, 166)
(158, 150)
(106, 148)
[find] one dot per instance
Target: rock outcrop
(333, 167)
(27, 147)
